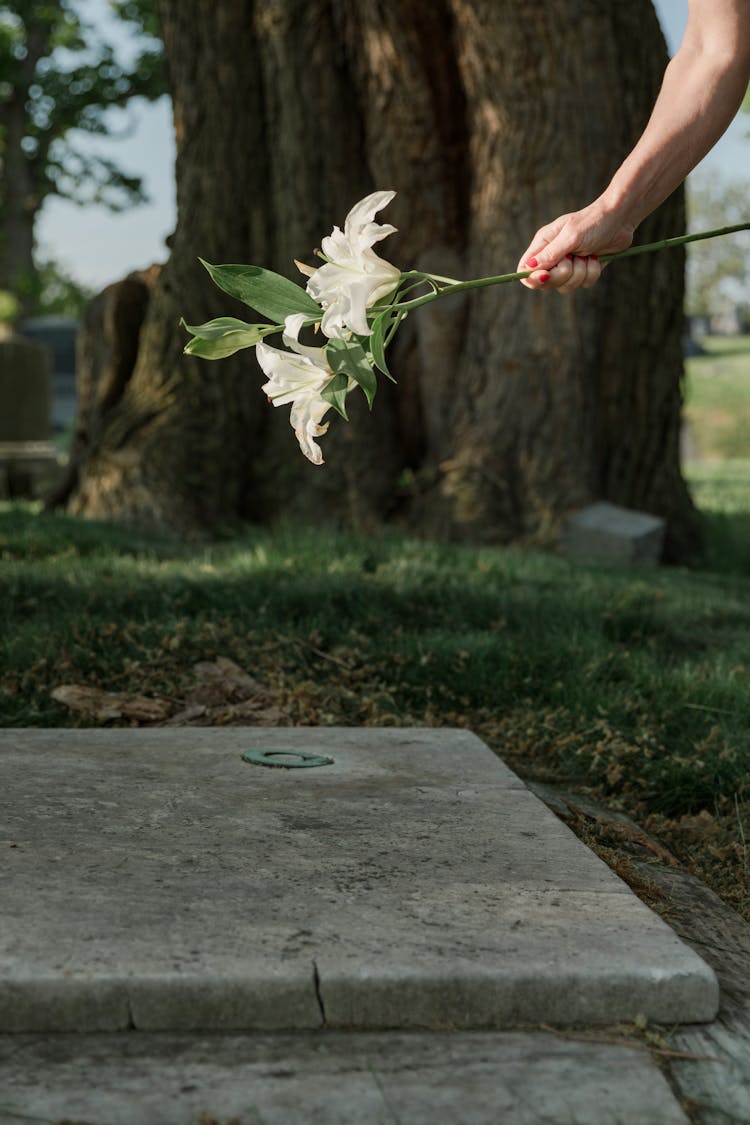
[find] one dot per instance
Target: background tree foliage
(58, 77)
(714, 264)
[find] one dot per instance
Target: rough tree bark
(19, 194)
(562, 400)
(106, 352)
(489, 117)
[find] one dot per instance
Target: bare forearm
(702, 90)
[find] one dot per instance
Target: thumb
(548, 253)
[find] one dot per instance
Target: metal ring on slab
(296, 759)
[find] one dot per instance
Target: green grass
(717, 407)
(717, 398)
(721, 490)
(627, 678)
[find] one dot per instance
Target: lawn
(717, 398)
(631, 685)
(717, 412)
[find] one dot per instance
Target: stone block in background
(25, 390)
(58, 335)
(25, 414)
(605, 532)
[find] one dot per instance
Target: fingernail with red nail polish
(569, 257)
(543, 277)
(595, 257)
(532, 263)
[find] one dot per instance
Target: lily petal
(359, 226)
(298, 377)
(293, 325)
(354, 277)
(359, 299)
(305, 419)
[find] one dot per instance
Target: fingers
(543, 238)
(553, 243)
(573, 272)
(541, 279)
(584, 273)
(571, 238)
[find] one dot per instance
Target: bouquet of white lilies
(352, 299)
(355, 300)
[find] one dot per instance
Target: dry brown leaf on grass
(247, 713)
(104, 705)
(192, 715)
(248, 710)
(617, 827)
(637, 836)
(224, 694)
(227, 679)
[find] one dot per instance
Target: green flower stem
(667, 243)
(417, 284)
(430, 277)
(393, 329)
(500, 279)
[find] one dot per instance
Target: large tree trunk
(18, 210)
(19, 192)
(489, 117)
(562, 400)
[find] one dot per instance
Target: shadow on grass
(727, 543)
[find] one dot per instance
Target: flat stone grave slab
(330, 1078)
(153, 879)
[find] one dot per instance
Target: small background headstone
(604, 532)
(58, 335)
(25, 390)
(25, 412)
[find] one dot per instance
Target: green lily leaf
(268, 293)
(348, 357)
(380, 326)
(216, 339)
(213, 329)
(218, 349)
(335, 393)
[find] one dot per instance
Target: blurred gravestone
(608, 533)
(58, 335)
(25, 410)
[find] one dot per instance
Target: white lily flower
(293, 325)
(354, 278)
(298, 377)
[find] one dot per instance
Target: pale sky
(99, 247)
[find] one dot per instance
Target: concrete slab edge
(484, 1001)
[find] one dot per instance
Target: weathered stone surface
(331, 1078)
(607, 533)
(152, 878)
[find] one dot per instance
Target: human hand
(564, 254)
